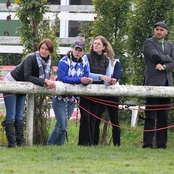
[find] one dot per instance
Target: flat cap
(162, 24)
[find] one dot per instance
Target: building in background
(70, 12)
(68, 28)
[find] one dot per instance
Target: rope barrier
(115, 104)
(121, 127)
(7, 95)
(67, 122)
(77, 111)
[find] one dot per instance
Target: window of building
(73, 28)
(54, 2)
(74, 25)
(80, 2)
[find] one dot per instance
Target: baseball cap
(162, 24)
(79, 44)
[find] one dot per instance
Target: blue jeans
(14, 104)
(60, 108)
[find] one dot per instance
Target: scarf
(44, 67)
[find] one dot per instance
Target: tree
(142, 18)
(32, 30)
(110, 22)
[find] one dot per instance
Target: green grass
(129, 158)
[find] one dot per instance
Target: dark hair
(48, 43)
(68, 53)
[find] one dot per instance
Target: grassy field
(129, 158)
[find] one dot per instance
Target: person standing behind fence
(72, 69)
(34, 68)
(100, 72)
(159, 60)
(113, 110)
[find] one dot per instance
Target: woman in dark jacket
(100, 72)
(34, 68)
(112, 110)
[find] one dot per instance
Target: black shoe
(3, 123)
(117, 144)
(161, 147)
(150, 147)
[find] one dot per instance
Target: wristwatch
(164, 66)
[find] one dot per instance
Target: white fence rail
(18, 49)
(65, 13)
(51, 16)
(10, 44)
(15, 40)
(54, 8)
(90, 90)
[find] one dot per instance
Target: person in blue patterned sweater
(72, 69)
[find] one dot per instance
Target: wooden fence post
(29, 120)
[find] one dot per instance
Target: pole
(29, 120)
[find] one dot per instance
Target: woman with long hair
(100, 72)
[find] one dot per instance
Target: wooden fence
(67, 89)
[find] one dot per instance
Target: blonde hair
(110, 53)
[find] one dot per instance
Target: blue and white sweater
(71, 71)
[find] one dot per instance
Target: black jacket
(98, 64)
(153, 50)
(28, 70)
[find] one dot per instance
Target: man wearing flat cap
(159, 61)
